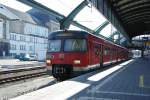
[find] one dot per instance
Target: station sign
(145, 38)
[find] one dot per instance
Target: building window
(22, 38)
(13, 54)
(13, 47)
(30, 48)
(22, 47)
(13, 37)
(45, 41)
(106, 51)
(31, 39)
(36, 40)
(1, 29)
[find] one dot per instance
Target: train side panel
(99, 53)
(95, 52)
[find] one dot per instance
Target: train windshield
(75, 45)
(54, 46)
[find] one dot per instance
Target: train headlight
(77, 62)
(48, 61)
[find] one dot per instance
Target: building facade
(33, 41)
(4, 41)
(24, 35)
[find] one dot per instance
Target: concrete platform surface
(126, 81)
(24, 86)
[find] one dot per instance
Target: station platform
(126, 81)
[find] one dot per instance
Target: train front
(67, 53)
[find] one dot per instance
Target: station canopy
(88, 16)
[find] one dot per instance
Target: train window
(106, 51)
(54, 45)
(110, 51)
(75, 45)
(96, 50)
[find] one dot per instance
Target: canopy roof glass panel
(72, 27)
(90, 17)
(113, 29)
(64, 7)
(108, 30)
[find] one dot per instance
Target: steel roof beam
(116, 23)
(134, 12)
(89, 30)
(127, 10)
(123, 2)
(99, 28)
(115, 1)
(41, 7)
(137, 19)
(45, 9)
(136, 15)
(67, 21)
(131, 4)
(82, 27)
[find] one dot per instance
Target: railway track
(21, 74)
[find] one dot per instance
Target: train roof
(68, 33)
(76, 34)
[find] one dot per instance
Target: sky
(16, 5)
(89, 16)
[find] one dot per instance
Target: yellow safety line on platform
(141, 81)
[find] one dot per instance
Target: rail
(22, 73)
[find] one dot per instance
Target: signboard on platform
(148, 43)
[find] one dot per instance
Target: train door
(101, 55)
(96, 53)
(106, 55)
(93, 53)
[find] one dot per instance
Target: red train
(70, 52)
